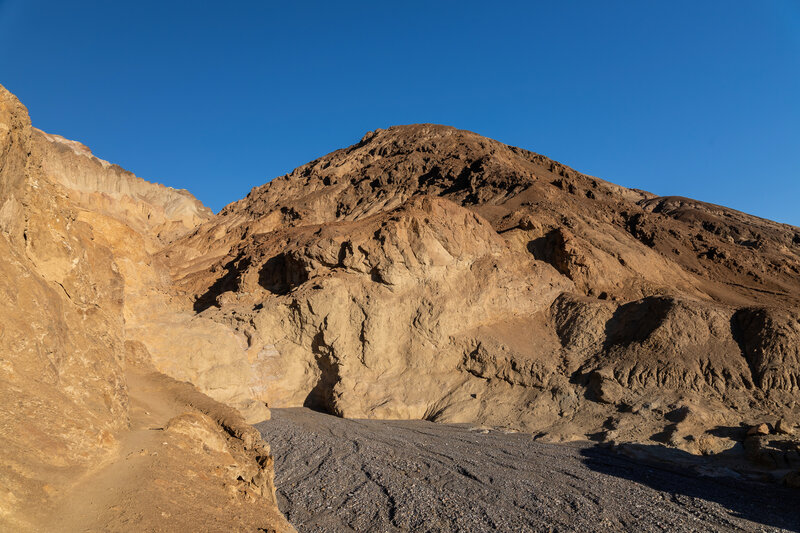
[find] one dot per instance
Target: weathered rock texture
(61, 331)
(77, 279)
(428, 272)
(96, 185)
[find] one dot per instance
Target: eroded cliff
(158, 212)
(94, 437)
(428, 272)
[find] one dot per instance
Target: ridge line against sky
(694, 99)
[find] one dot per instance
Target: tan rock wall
(62, 389)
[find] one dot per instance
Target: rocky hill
(429, 272)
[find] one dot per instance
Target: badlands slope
(431, 273)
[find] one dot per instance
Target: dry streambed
(359, 475)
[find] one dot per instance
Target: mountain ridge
(310, 186)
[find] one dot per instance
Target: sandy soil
(159, 480)
(357, 475)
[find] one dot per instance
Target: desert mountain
(429, 272)
(424, 272)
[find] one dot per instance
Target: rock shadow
(321, 397)
(550, 249)
(229, 281)
(634, 322)
(747, 327)
(282, 273)
(768, 504)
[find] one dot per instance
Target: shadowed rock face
(428, 272)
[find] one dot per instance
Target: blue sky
(692, 98)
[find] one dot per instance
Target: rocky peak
(388, 166)
(609, 239)
(427, 271)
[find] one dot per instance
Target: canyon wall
(428, 272)
(78, 277)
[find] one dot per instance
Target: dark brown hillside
(728, 256)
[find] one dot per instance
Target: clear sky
(692, 98)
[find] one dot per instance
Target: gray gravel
(361, 475)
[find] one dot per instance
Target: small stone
(760, 429)
(783, 427)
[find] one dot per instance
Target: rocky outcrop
(336, 333)
(154, 210)
(77, 274)
(770, 340)
(428, 272)
(62, 390)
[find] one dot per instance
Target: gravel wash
(388, 476)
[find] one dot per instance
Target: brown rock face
(162, 213)
(63, 394)
(76, 274)
(430, 272)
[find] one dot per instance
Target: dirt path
(112, 485)
(161, 477)
(346, 475)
